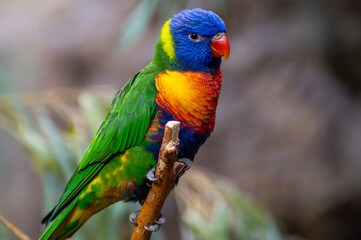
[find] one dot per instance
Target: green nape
(162, 59)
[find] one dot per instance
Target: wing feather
(124, 126)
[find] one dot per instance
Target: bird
(182, 83)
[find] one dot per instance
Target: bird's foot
(133, 217)
(152, 228)
(156, 226)
(187, 162)
(150, 176)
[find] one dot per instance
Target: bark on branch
(167, 170)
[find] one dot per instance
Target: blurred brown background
(288, 125)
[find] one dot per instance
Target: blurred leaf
(4, 233)
(136, 24)
(211, 207)
(16, 231)
(57, 146)
(94, 108)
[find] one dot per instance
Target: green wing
(124, 126)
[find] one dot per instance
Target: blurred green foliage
(212, 207)
(4, 234)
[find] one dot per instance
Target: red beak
(220, 46)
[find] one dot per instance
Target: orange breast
(190, 98)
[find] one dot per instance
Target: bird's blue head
(193, 40)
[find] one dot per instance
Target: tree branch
(167, 169)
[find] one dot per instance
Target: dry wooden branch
(167, 170)
(17, 232)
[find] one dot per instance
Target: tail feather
(57, 229)
(46, 219)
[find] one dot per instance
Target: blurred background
(284, 161)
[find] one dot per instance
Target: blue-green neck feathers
(175, 50)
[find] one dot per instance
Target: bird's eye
(195, 37)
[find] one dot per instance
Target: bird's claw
(156, 226)
(150, 175)
(152, 228)
(187, 163)
(161, 220)
(133, 217)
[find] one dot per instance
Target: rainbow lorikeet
(182, 83)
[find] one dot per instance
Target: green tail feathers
(59, 227)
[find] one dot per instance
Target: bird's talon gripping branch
(150, 175)
(161, 220)
(187, 163)
(133, 217)
(152, 228)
